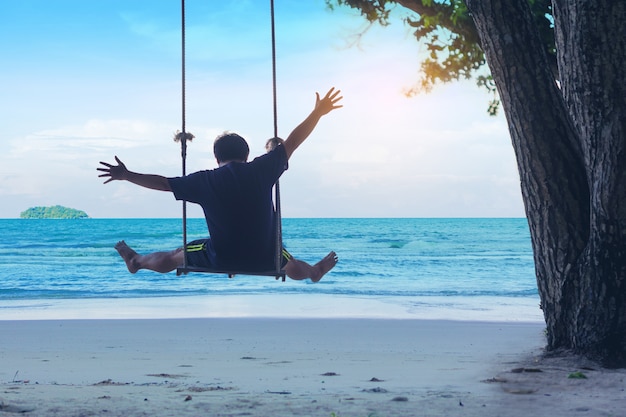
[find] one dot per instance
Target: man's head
(230, 147)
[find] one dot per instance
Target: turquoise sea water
(404, 258)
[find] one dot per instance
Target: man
(237, 202)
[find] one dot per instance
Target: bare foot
(129, 256)
(322, 267)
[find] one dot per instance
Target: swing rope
(278, 272)
(278, 216)
(183, 141)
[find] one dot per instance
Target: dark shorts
(198, 256)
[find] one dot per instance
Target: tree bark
(591, 39)
(570, 147)
(549, 154)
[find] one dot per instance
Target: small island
(53, 212)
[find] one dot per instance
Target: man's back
(237, 203)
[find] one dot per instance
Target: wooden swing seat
(231, 273)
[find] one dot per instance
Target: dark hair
(230, 147)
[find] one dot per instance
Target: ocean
(400, 266)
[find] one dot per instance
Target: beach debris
(495, 380)
(278, 392)
(330, 374)
(400, 399)
(529, 370)
(248, 358)
(377, 390)
(512, 386)
(519, 390)
(19, 381)
(7, 408)
(109, 382)
(173, 376)
(188, 398)
(577, 375)
(207, 389)
(376, 380)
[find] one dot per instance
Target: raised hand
(114, 172)
(329, 102)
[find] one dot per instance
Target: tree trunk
(591, 36)
(569, 145)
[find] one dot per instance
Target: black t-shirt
(239, 210)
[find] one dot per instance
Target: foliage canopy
(447, 31)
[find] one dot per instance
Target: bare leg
(156, 261)
(299, 270)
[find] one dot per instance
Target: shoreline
(478, 308)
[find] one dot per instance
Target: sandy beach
(294, 367)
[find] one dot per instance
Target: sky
(83, 81)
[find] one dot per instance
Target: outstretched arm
(120, 172)
(303, 130)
